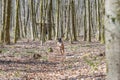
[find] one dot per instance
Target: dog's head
(59, 40)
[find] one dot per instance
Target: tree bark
(57, 18)
(17, 22)
(112, 25)
(50, 21)
(7, 23)
(85, 26)
(89, 21)
(73, 21)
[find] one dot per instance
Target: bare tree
(112, 25)
(17, 30)
(73, 21)
(7, 23)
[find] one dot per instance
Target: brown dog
(61, 46)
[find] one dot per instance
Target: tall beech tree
(7, 23)
(112, 33)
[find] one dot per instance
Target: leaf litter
(82, 61)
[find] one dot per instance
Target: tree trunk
(41, 16)
(4, 20)
(112, 24)
(85, 26)
(99, 19)
(73, 21)
(89, 21)
(102, 22)
(67, 14)
(49, 21)
(57, 18)
(33, 20)
(45, 3)
(7, 23)
(1, 2)
(17, 22)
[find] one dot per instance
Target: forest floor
(82, 61)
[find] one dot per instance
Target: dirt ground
(82, 61)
